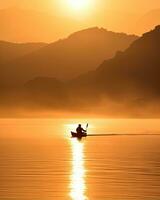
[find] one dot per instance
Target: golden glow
(78, 186)
(79, 4)
(79, 9)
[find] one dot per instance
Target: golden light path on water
(78, 185)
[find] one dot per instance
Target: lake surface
(39, 160)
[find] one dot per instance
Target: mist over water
(39, 160)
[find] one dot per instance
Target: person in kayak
(80, 130)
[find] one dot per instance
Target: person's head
(79, 125)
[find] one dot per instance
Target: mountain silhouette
(80, 52)
(132, 75)
(46, 91)
(126, 83)
(10, 51)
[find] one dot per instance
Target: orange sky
(114, 15)
(127, 5)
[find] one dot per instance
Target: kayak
(75, 135)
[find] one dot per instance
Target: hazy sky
(63, 17)
(127, 5)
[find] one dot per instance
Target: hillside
(10, 51)
(130, 77)
(126, 85)
(80, 52)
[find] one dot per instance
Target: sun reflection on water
(78, 186)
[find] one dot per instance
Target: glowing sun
(78, 5)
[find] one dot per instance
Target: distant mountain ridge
(65, 59)
(127, 83)
(132, 75)
(10, 51)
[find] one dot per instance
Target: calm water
(39, 160)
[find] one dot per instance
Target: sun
(79, 5)
(77, 9)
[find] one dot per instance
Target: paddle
(86, 127)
